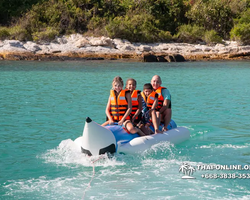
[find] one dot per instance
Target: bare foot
(164, 129)
(158, 131)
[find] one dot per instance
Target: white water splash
(223, 146)
(65, 155)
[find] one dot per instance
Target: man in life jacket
(164, 101)
(150, 97)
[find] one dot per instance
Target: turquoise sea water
(42, 104)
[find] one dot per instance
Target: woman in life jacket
(119, 107)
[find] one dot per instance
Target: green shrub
(140, 20)
(237, 7)
(48, 34)
(212, 15)
(96, 27)
(212, 37)
(20, 33)
(241, 33)
(4, 33)
(241, 30)
(64, 16)
(116, 28)
(165, 36)
(244, 17)
(136, 28)
(190, 34)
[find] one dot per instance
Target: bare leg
(155, 121)
(167, 117)
(147, 126)
(129, 126)
(105, 123)
(158, 118)
(145, 130)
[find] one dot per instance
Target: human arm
(155, 104)
(138, 111)
(127, 113)
(165, 106)
(167, 100)
(110, 119)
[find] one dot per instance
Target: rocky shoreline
(78, 47)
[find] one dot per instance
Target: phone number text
(226, 176)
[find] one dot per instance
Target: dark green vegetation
(189, 21)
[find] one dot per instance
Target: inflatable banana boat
(97, 140)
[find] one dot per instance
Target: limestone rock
(61, 40)
(103, 41)
(82, 43)
(77, 46)
(126, 48)
(31, 46)
(13, 43)
(145, 48)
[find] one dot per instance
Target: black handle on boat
(88, 120)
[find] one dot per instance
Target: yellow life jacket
(118, 105)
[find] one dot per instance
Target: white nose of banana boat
(96, 139)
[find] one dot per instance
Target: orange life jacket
(118, 105)
(160, 97)
(135, 102)
(149, 100)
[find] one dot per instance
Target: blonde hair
(118, 80)
(131, 79)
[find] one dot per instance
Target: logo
(187, 170)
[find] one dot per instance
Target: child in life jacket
(119, 107)
(151, 102)
(136, 113)
(136, 101)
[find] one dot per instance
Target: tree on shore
(193, 21)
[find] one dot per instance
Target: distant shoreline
(77, 47)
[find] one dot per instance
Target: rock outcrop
(77, 46)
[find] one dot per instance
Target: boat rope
(93, 175)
